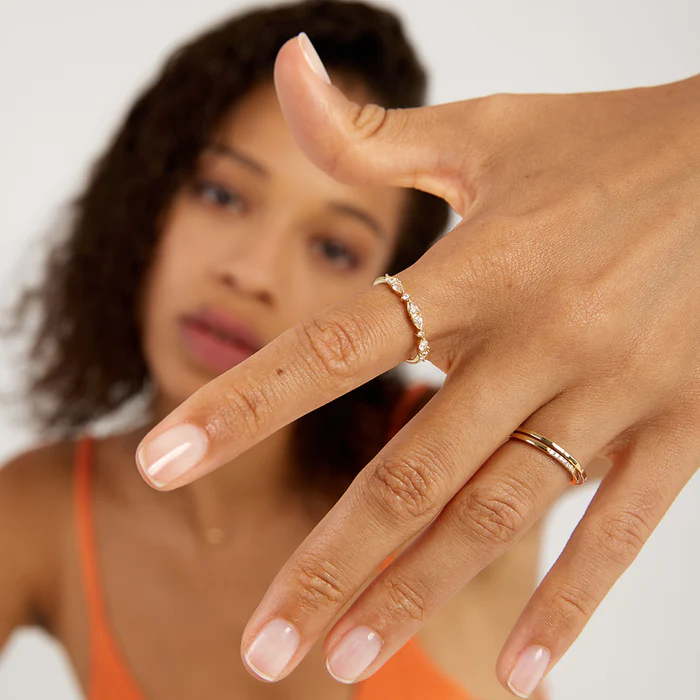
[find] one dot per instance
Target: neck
(251, 486)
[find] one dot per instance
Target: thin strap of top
(86, 539)
(108, 677)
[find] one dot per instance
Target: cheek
(183, 258)
(181, 252)
(176, 274)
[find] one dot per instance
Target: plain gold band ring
(572, 465)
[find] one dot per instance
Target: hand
(567, 301)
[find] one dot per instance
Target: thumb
(428, 148)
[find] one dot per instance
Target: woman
(551, 307)
(202, 234)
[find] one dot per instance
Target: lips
(216, 339)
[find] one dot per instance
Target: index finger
(312, 363)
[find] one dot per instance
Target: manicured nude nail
(353, 654)
(312, 57)
(173, 453)
(528, 670)
(272, 649)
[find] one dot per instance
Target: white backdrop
(68, 70)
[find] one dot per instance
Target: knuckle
(492, 122)
(589, 197)
(334, 345)
(243, 405)
(570, 606)
(319, 585)
(406, 488)
(371, 120)
(499, 106)
(620, 537)
(407, 600)
(493, 516)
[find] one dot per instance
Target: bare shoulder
(35, 501)
(37, 478)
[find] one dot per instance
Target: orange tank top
(410, 674)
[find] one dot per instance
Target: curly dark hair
(86, 357)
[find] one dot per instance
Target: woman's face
(258, 240)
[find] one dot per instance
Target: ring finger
(486, 517)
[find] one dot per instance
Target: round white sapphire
(415, 315)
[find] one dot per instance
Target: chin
(177, 381)
(180, 369)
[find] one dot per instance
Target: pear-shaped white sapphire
(395, 285)
(415, 314)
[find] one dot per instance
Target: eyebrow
(232, 153)
(339, 207)
(360, 215)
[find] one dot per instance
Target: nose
(252, 268)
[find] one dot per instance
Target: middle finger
(396, 496)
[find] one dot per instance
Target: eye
(216, 195)
(337, 253)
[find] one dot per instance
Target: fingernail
(529, 670)
(312, 57)
(353, 654)
(272, 648)
(173, 453)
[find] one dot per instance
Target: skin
(567, 301)
(271, 256)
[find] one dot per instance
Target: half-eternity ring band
(414, 314)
